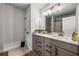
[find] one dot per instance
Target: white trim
(10, 46)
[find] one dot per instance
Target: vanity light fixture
(45, 13)
(49, 12)
(53, 9)
(59, 8)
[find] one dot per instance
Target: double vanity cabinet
(44, 46)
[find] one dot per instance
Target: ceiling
(20, 5)
(25, 5)
(40, 5)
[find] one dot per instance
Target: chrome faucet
(61, 33)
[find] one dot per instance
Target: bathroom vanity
(48, 45)
(62, 21)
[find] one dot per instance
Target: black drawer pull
(49, 51)
(48, 46)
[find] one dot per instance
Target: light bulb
(45, 13)
(59, 8)
(54, 10)
(49, 12)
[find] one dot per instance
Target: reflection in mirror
(68, 24)
(48, 23)
(57, 24)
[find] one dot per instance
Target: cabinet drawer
(40, 47)
(39, 42)
(62, 52)
(49, 52)
(66, 46)
(49, 49)
(47, 40)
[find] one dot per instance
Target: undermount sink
(61, 37)
(56, 36)
(53, 34)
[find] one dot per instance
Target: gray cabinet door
(62, 52)
(34, 42)
(49, 52)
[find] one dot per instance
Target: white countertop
(66, 39)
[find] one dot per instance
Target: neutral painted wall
(37, 19)
(34, 17)
(77, 18)
(42, 22)
(11, 26)
(18, 25)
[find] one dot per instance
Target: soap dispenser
(75, 36)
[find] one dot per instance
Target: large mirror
(62, 20)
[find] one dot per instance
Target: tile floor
(18, 51)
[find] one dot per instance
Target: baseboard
(10, 46)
